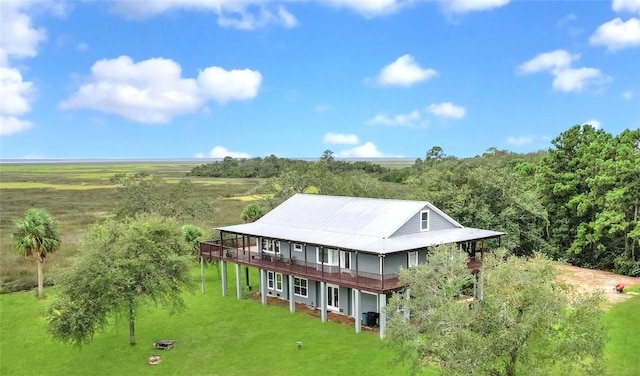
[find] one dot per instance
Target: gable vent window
(424, 220)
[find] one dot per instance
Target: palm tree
(37, 236)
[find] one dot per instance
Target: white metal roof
(355, 223)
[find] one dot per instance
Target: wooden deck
(293, 266)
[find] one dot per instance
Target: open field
(79, 194)
(215, 336)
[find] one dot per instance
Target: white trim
(333, 256)
(330, 297)
(299, 286)
(272, 246)
(297, 247)
(412, 256)
(422, 221)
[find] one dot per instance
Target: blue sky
(363, 78)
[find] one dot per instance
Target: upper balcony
(250, 256)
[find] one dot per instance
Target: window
(424, 220)
(270, 280)
(270, 246)
(413, 259)
(300, 287)
(297, 247)
(327, 256)
(274, 280)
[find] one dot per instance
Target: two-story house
(340, 254)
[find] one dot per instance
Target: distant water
(173, 160)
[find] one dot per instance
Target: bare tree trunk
(39, 262)
(132, 323)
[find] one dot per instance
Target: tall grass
(62, 190)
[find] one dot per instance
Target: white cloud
(577, 79)
(404, 72)
(243, 15)
(594, 123)
(626, 6)
(340, 139)
(467, 6)
(15, 93)
(368, 8)
(234, 85)
(366, 150)
(19, 39)
(566, 78)
(520, 140)
(627, 94)
(616, 34)
(153, 91)
(11, 125)
(222, 152)
(447, 110)
(411, 120)
(554, 60)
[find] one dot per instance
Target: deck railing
(347, 277)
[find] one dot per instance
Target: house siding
(412, 226)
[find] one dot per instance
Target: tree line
(578, 201)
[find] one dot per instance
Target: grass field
(215, 336)
(79, 194)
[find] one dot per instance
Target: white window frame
(278, 281)
(274, 281)
(297, 247)
(333, 256)
(270, 279)
(270, 246)
(422, 221)
(412, 259)
(298, 288)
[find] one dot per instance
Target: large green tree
(37, 236)
(143, 193)
(486, 193)
(525, 320)
(124, 265)
(589, 184)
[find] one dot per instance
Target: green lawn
(216, 336)
(623, 348)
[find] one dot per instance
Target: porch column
(224, 277)
(202, 272)
(356, 313)
(292, 296)
(407, 311)
(475, 286)
(481, 286)
(263, 286)
(238, 281)
(323, 301)
(382, 304)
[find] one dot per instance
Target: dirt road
(591, 280)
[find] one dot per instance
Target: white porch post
(202, 273)
(292, 297)
(263, 286)
(356, 313)
(238, 282)
(382, 303)
(224, 278)
(407, 297)
(323, 301)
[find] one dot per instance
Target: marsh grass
(78, 195)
